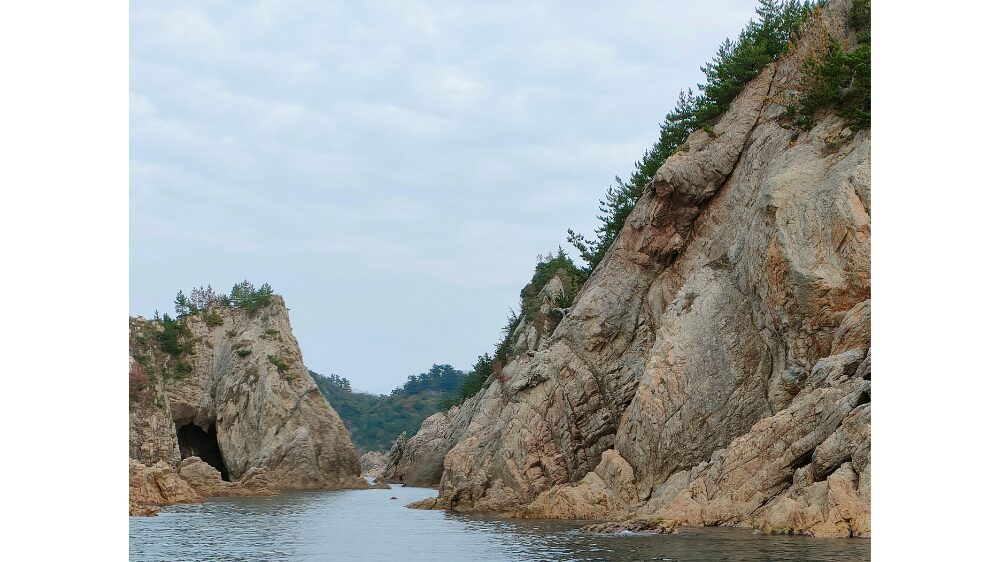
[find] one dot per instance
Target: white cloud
(391, 167)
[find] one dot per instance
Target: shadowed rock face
(250, 394)
(715, 368)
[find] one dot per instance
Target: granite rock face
(239, 397)
(419, 460)
(715, 369)
(152, 434)
(531, 332)
(373, 463)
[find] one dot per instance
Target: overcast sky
(391, 168)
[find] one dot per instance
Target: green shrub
(548, 267)
(504, 348)
(202, 299)
(861, 20)
(242, 352)
(248, 298)
(213, 319)
(572, 277)
(840, 80)
(278, 362)
(565, 300)
(475, 380)
(270, 334)
(170, 338)
(182, 369)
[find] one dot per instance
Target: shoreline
(617, 528)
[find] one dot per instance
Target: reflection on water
(368, 525)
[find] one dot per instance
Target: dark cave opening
(196, 442)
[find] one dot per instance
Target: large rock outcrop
(156, 485)
(419, 460)
(715, 368)
(238, 396)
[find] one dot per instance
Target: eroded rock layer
(715, 368)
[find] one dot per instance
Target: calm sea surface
(356, 525)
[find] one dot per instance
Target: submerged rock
(426, 503)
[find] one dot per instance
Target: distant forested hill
(376, 420)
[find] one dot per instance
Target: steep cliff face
(715, 368)
(239, 398)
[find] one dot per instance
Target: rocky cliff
(236, 404)
(373, 463)
(715, 368)
(418, 461)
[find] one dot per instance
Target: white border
(63, 222)
(935, 285)
(64, 228)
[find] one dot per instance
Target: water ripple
(368, 525)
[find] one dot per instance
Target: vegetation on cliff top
(375, 421)
(203, 299)
(735, 63)
(547, 267)
(162, 345)
(476, 378)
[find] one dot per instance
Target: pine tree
(181, 305)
